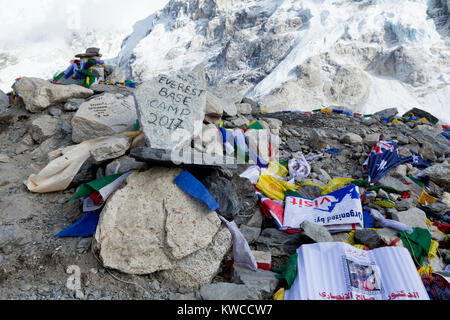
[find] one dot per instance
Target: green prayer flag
(418, 243)
(87, 188)
(289, 272)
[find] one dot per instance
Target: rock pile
(150, 226)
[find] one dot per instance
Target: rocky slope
(33, 262)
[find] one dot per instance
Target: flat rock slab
(171, 108)
(104, 115)
(149, 224)
(185, 159)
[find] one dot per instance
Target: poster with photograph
(339, 271)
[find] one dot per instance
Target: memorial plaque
(171, 108)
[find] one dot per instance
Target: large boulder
(104, 115)
(150, 224)
(39, 94)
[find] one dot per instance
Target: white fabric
(64, 165)
(383, 222)
(242, 254)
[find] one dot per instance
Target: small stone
(244, 108)
(316, 232)
(351, 138)
(368, 237)
(372, 139)
(394, 183)
(439, 173)
(228, 291)
(404, 204)
(388, 235)
(66, 127)
(73, 104)
(257, 219)
(44, 127)
(55, 112)
(260, 280)
(294, 145)
(240, 122)
(341, 237)
(122, 164)
(84, 244)
(413, 217)
(110, 148)
(274, 124)
(4, 158)
(427, 151)
(383, 194)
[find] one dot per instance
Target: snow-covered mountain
(299, 55)
(39, 38)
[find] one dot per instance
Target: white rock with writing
(171, 108)
(105, 115)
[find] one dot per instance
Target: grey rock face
(224, 192)
(279, 243)
(171, 108)
(351, 138)
(316, 232)
(404, 64)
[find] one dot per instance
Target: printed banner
(338, 211)
(339, 271)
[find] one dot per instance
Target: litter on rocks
(327, 204)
